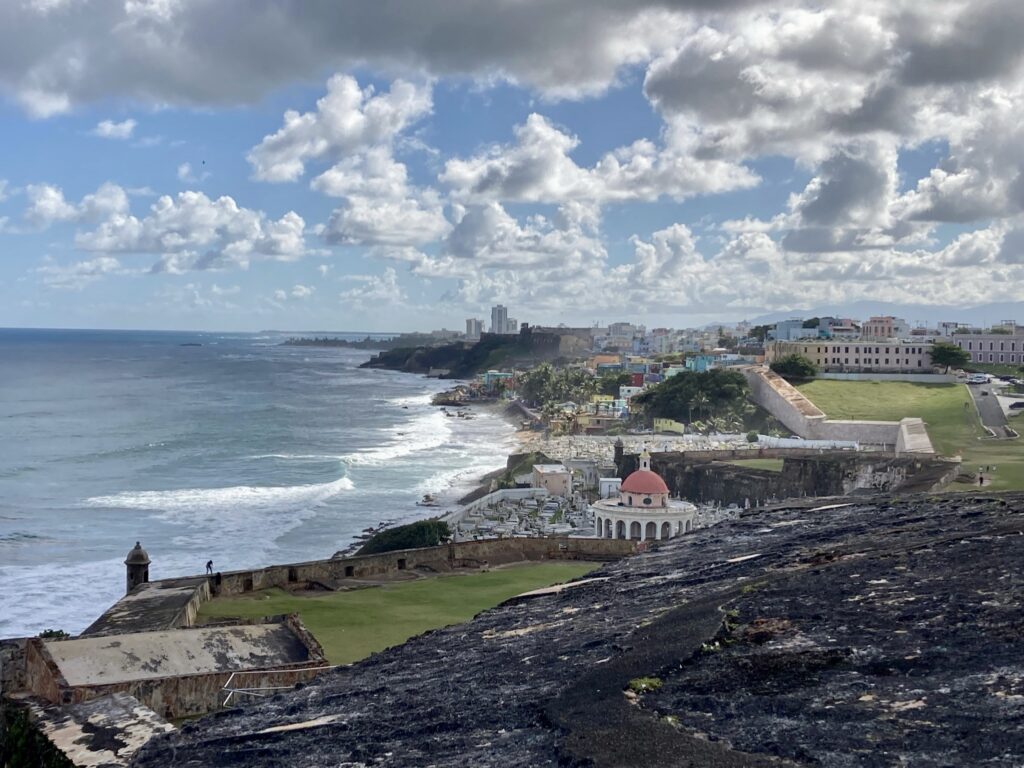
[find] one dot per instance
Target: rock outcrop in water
(887, 632)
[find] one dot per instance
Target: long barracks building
(839, 356)
(992, 347)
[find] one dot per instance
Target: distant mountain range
(915, 314)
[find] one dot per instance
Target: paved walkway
(991, 413)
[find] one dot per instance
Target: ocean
(204, 446)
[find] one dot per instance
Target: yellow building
(669, 425)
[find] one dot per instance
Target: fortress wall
(441, 559)
(191, 695)
(884, 433)
(12, 665)
(783, 401)
(188, 614)
(42, 677)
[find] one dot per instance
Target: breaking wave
(211, 499)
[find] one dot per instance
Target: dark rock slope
(883, 634)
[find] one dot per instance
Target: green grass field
(772, 465)
(954, 429)
(352, 625)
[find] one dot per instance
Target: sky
(400, 165)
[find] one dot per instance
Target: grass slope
(352, 625)
(954, 429)
(772, 465)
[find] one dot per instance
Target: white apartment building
(474, 328)
(1003, 348)
(499, 319)
(845, 356)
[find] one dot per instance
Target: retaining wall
(12, 665)
(786, 403)
(444, 558)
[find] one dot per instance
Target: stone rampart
(789, 405)
(12, 665)
(447, 557)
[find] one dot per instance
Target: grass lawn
(772, 465)
(352, 625)
(954, 430)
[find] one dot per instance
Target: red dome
(644, 481)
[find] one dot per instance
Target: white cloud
(108, 129)
(381, 208)
(3, 190)
(347, 120)
(191, 231)
(47, 205)
(164, 52)
(374, 290)
(298, 292)
(188, 176)
(538, 168)
(80, 274)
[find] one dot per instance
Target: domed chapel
(643, 510)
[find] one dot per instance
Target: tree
(944, 353)
(423, 533)
(794, 367)
(609, 383)
(719, 391)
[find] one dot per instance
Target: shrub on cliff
(794, 367)
(424, 533)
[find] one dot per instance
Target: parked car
(1017, 406)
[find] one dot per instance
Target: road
(992, 415)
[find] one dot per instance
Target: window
(647, 500)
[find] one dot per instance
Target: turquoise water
(239, 450)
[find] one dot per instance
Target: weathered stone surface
(882, 633)
(102, 733)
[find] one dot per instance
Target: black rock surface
(888, 633)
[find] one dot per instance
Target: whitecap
(421, 434)
(205, 500)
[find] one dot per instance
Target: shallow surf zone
(423, 433)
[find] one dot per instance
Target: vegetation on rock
(718, 395)
(422, 533)
(794, 367)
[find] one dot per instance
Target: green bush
(424, 533)
(794, 367)
(751, 437)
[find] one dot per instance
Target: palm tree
(701, 402)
